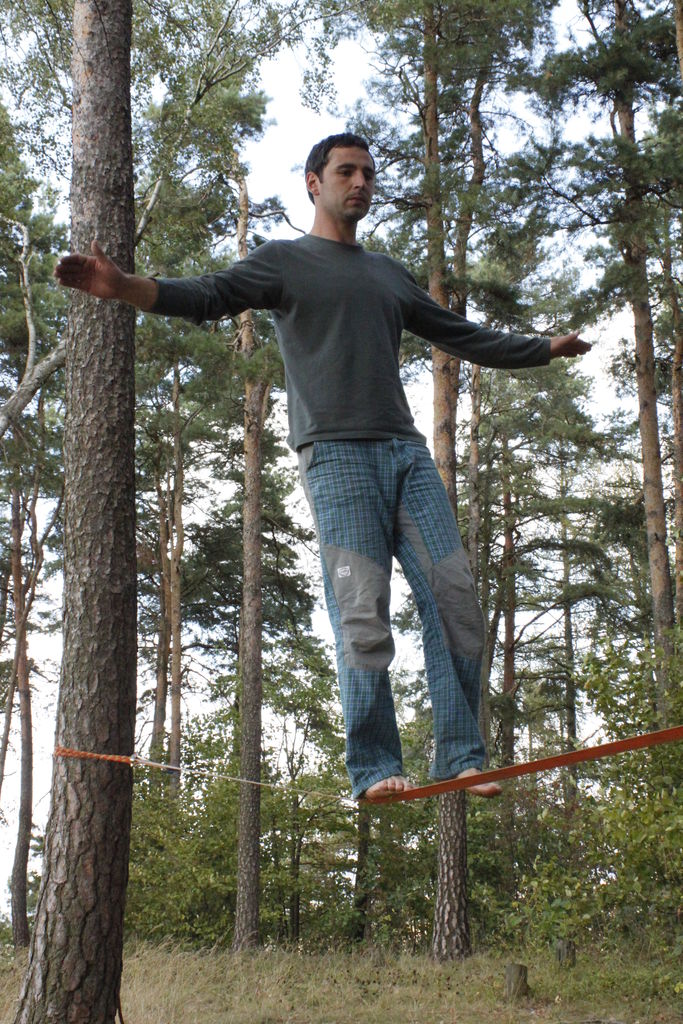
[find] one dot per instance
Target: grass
(167, 985)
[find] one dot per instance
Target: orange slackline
(434, 788)
(648, 739)
(545, 764)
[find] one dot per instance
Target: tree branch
(30, 385)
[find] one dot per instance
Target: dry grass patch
(167, 985)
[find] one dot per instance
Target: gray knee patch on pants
(451, 582)
(361, 587)
(456, 597)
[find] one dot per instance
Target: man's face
(347, 184)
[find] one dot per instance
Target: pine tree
(83, 886)
(437, 61)
(615, 183)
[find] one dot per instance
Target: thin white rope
(209, 773)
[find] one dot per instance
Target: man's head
(340, 170)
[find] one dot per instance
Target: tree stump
(565, 952)
(516, 986)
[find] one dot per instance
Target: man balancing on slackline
(373, 488)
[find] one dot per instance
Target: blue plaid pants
(372, 501)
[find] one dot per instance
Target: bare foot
(487, 789)
(394, 784)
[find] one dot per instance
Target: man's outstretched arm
(484, 345)
(251, 283)
(99, 276)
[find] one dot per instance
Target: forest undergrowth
(166, 984)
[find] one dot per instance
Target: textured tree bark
(468, 200)
(474, 497)
(177, 541)
(164, 639)
(492, 616)
(74, 969)
(571, 739)
(634, 254)
(451, 937)
(18, 884)
(678, 14)
(653, 489)
(473, 541)
(161, 687)
(257, 391)
(11, 685)
(7, 720)
(677, 402)
(445, 368)
(5, 574)
(446, 376)
(296, 841)
(360, 929)
(509, 612)
(248, 847)
(468, 203)
(571, 732)
(451, 934)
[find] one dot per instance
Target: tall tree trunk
(509, 611)
(445, 368)
(161, 687)
(570, 685)
(451, 938)
(4, 599)
(28, 595)
(360, 928)
(74, 967)
(248, 844)
(570, 697)
(164, 632)
(257, 391)
(295, 871)
(470, 196)
(468, 203)
(508, 707)
(677, 401)
(473, 541)
(177, 541)
(678, 14)
(25, 581)
(634, 254)
(474, 497)
(446, 375)
(491, 616)
(451, 934)
(7, 719)
(18, 885)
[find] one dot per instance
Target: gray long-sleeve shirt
(339, 313)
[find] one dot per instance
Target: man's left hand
(568, 345)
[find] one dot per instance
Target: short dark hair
(320, 153)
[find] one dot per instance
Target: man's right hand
(99, 276)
